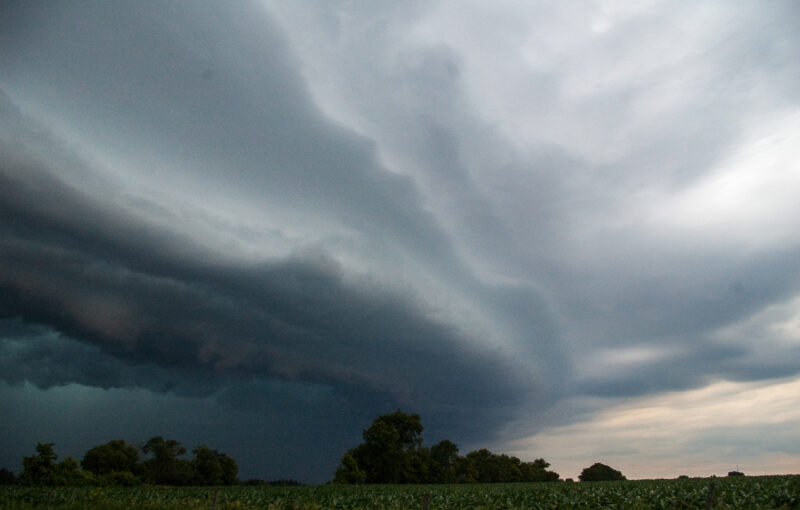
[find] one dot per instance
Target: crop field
(726, 493)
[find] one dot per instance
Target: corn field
(781, 492)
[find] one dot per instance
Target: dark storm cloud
(46, 359)
(278, 429)
(142, 303)
(95, 274)
(105, 299)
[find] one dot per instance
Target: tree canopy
(211, 467)
(114, 456)
(165, 467)
(117, 463)
(392, 452)
(598, 472)
(7, 477)
(42, 469)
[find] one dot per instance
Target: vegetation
(116, 463)
(392, 452)
(42, 469)
(118, 475)
(112, 457)
(7, 477)
(598, 472)
(773, 492)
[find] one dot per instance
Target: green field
(728, 493)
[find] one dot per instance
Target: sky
(560, 230)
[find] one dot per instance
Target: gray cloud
(132, 300)
(95, 274)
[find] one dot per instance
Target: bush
(7, 477)
(120, 479)
(110, 457)
(598, 472)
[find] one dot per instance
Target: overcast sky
(554, 229)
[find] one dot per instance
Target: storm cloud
(293, 217)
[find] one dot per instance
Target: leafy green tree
(444, 461)
(380, 455)
(165, 467)
(598, 472)
(482, 463)
(211, 467)
(230, 470)
(7, 477)
(39, 469)
(387, 443)
(486, 467)
(392, 452)
(68, 472)
(389, 451)
(407, 426)
(465, 471)
(114, 456)
(206, 467)
(536, 471)
(42, 469)
(119, 479)
(349, 471)
(417, 466)
(491, 468)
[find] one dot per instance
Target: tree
(444, 460)
(349, 471)
(380, 455)
(7, 477)
(230, 470)
(384, 455)
(392, 452)
(42, 469)
(68, 472)
(536, 471)
(114, 456)
(389, 451)
(165, 468)
(211, 467)
(598, 472)
(465, 471)
(483, 463)
(486, 467)
(416, 467)
(39, 469)
(120, 479)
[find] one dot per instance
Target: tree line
(118, 463)
(392, 452)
